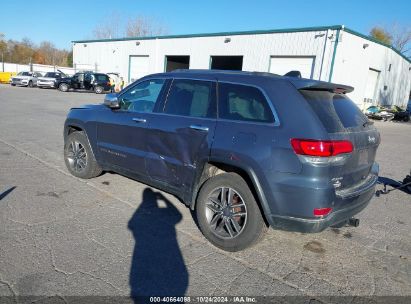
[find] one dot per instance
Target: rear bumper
(351, 202)
(318, 225)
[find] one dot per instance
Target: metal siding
(353, 62)
(256, 49)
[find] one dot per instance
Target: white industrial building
(379, 73)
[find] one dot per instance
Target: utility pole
(54, 64)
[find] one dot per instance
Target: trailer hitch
(406, 185)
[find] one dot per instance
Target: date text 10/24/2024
(198, 299)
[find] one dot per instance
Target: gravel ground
(112, 236)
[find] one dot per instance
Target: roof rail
(206, 71)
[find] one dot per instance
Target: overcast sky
(63, 21)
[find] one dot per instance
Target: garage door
(282, 65)
(138, 67)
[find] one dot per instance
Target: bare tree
(109, 28)
(3, 44)
(401, 38)
(396, 35)
(48, 51)
(113, 26)
(142, 26)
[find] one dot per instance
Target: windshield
(52, 75)
(24, 74)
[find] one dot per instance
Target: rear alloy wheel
(79, 157)
(98, 89)
(63, 87)
(228, 214)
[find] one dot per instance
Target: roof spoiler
(296, 74)
(304, 84)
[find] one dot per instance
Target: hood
(21, 77)
(47, 78)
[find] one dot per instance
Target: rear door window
(336, 111)
(242, 102)
(194, 98)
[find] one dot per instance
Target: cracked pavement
(109, 236)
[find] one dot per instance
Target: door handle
(199, 128)
(140, 120)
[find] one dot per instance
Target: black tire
(63, 87)
(13, 85)
(253, 227)
(90, 167)
(30, 85)
(98, 89)
(406, 118)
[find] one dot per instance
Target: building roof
(257, 32)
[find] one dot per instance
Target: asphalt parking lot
(113, 236)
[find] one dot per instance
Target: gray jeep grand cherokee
(244, 150)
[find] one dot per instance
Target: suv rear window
(102, 77)
(336, 111)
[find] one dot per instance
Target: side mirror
(112, 101)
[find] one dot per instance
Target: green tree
(381, 35)
(70, 59)
(397, 35)
(3, 46)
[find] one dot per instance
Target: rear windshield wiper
(368, 122)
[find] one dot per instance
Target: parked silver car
(26, 79)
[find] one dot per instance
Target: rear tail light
(321, 148)
(322, 151)
(320, 212)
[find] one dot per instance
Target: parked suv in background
(27, 79)
(90, 81)
(242, 149)
(49, 80)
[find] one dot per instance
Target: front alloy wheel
(77, 156)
